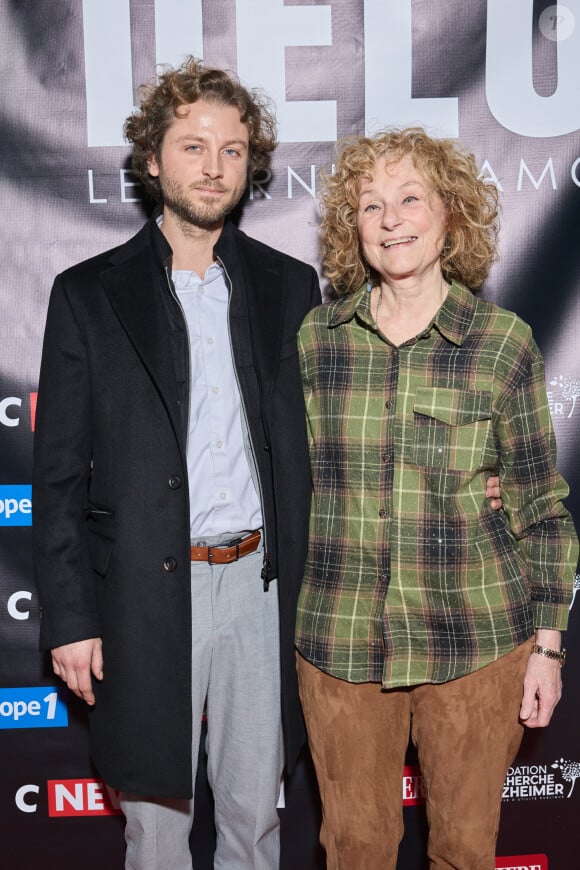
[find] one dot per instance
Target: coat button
(174, 481)
(169, 564)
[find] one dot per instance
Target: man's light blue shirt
(223, 497)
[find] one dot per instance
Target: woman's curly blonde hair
(176, 88)
(471, 205)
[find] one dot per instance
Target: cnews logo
(70, 797)
(32, 708)
(81, 797)
(522, 862)
(10, 408)
(13, 605)
(16, 505)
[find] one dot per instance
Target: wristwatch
(558, 655)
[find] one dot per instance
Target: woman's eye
(410, 198)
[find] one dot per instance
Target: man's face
(203, 164)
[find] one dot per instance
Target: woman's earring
(368, 280)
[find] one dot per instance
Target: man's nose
(212, 164)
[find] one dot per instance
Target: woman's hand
(492, 492)
(542, 682)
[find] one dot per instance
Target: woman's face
(401, 223)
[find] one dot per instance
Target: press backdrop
(503, 77)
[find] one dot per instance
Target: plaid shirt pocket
(452, 428)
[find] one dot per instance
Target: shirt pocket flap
(454, 407)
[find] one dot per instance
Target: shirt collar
(214, 271)
(453, 320)
(185, 279)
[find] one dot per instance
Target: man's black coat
(110, 490)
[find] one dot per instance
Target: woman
(422, 609)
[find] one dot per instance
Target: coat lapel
(265, 304)
(258, 293)
(134, 288)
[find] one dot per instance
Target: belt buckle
(226, 546)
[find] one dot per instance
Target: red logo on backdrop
(413, 792)
(33, 398)
(11, 409)
(81, 797)
(522, 862)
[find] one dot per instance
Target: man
(171, 485)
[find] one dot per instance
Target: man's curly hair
(177, 88)
(471, 205)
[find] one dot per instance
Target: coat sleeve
(60, 476)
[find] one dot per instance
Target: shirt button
(222, 495)
(202, 290)
(219, 444)
(382, 513)
(388, 403)
(174, 481)
(210, 341)
(169, 564)
(215, 390)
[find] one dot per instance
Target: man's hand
(542, 683)
(74, 664)
(492, 492)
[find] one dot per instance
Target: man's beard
(204, 215)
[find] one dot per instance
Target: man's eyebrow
(199, 137)
(189, 137)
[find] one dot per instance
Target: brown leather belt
(231, 553)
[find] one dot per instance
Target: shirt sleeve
(305, 357)
(532, 490)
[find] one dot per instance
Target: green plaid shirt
(410, 576)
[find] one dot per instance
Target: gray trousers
(236, 674)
